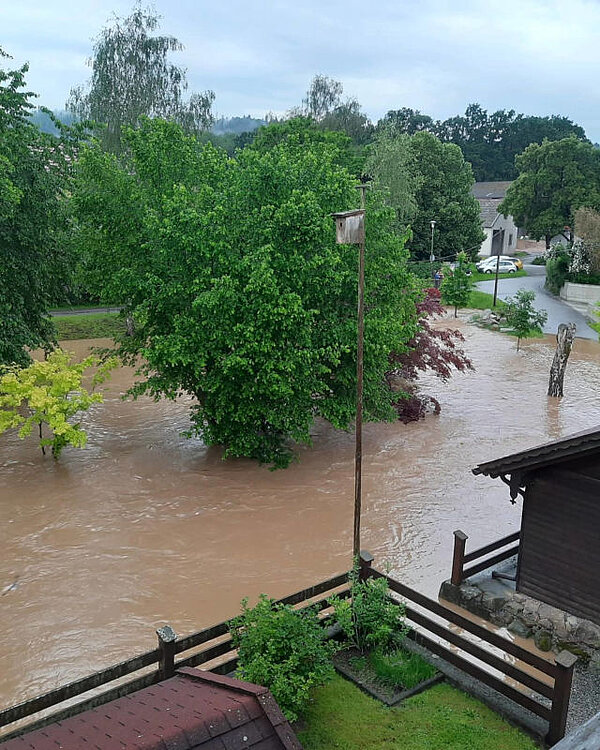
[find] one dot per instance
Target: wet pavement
(558, 311)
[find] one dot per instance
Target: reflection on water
(146, 527)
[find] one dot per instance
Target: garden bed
(388, 678)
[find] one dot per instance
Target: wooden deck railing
(491, 649)
(460, 559)
(207, 645)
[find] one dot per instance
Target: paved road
(558, 311)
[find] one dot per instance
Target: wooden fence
(215, 642)
(460, 559)
(206, 646)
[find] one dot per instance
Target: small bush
(282, 649)
(557, 269)
(370, 619)
(539, 260)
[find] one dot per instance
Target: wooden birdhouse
(350, 227)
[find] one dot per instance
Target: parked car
(488, 265)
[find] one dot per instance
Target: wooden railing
(554, 683)
(460, 559)
(557, 689)
(207, 645)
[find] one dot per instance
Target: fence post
(458, 557)
(166, 646)
(565, 662)
(365, 564)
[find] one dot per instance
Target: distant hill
(45, 124)
(236, 125)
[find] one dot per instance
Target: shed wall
(560, 542)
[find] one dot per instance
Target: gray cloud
(535, 56)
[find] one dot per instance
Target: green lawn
(442, 718)
(482, 300)
(93, 326)
(476, 276)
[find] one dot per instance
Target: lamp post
(431, 255)
(350, 230)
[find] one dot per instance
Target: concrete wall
(584, 297)
(509, 244)
(585, 737)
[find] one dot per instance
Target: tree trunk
(564, 342)
(129, 325)
(548, 238)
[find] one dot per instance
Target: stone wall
(551, 628)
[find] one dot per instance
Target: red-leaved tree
(437, 350)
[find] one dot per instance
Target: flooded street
(145, 526)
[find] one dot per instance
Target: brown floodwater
(145, 527)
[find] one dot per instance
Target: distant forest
(489, 141)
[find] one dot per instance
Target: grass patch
(400, 668)
(92, 326)
(442, 718)
(533, 333)
(483, 301)
(596, 327)
(476, 276)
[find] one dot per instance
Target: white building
(501, 233)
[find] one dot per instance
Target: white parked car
(505, 265)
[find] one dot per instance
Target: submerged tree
(47, 395)
(436, 350)
(132, 76)
(240, 294)
(456, 287)
(522, 316)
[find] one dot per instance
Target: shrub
(283, 649)
(370, 619)
(50, 393)
(557, 268)
(539, 260)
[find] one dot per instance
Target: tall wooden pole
(359, 388)
(496, 282)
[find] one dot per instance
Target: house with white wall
(501, 233)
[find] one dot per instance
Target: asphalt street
(558, 311)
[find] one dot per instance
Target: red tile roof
(194, 709)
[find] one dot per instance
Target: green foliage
(539, 260)
(521, 315)
(428, 180)
(132, 77)
(35, 261)
(456, 286)
(282, 649)
(557, 270)
(555, 179)
(370, 619)
(49, 393)
(341, 716)
(489, 141)
(444, 195)
(482, 300)
(241, 296)
(400, 668)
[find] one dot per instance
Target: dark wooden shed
(559, 553)
(195, 710)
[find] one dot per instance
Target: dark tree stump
(564, 342)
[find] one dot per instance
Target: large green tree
(34, 259)
(240, 294)
(132, 77)
(555, 179)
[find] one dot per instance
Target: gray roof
(489, 211)
(574, 446)
(490, 189)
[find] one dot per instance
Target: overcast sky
(537, 57)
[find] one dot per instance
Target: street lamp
(350, 230)
(431, 255)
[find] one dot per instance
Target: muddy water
(146, 527)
